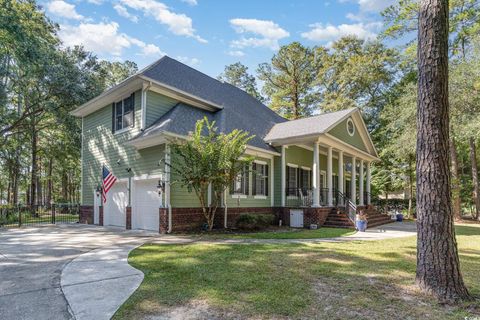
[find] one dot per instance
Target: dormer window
(123, 114)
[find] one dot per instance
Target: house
(305, 167)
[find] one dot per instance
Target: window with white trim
(305, 181)
(240, 184)
(260, 179)
(123, 114)
(292, 180)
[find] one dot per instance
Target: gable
(156, 106)
(340, 131)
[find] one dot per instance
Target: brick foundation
(193, 218)
(184, 219)
(163, 219)
(128, 218)
(86, 214)
(316, 216)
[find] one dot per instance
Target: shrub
(255, 221)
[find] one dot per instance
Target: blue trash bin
(399, 217)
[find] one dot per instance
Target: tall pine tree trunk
(438, 268)
(49, 182)
(33, 173)
(410, 184)
(476, 191)
(457, 204)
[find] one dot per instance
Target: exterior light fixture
(161, 187)
(98, 190)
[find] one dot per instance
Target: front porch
(325, 163)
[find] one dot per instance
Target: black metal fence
(21, 215)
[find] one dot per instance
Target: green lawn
(348, 280)
(281, 233)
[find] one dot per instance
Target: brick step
(330, 218)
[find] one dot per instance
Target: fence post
(19, 216)
(53, 214)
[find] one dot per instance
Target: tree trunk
(457, 204)
(33, 174)
(438, 268)
(410, 184)
(39, 182)
(476, 191)
(64, 186)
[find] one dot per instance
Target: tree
(208, 158)
(356, 73)
(438, 268)
(237, 75)
(401, 20)
(289, 81)
(115, 72)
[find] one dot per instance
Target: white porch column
(330, 177)
(353, 191)
(340, 173)
(283, 177)
(316, 175)
(360, 188)
(369, 187)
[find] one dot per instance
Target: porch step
(339, 219)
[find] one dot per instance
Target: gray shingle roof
(307, 126)
(240, 110)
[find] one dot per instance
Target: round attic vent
(350, 127)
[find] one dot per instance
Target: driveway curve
(32, 260)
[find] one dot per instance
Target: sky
(209, 34)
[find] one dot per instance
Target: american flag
(108, 181)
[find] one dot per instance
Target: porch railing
(350, 207)
(298, 197)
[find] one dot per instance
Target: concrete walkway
(385, 232)
(32, 260)
(97, 283)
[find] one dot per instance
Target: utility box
(296, 218)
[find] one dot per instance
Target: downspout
(167, 187)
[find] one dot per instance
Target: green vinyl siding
(181, 198)
(277, 164)
(157, 106)
(340, 132)
(299, 156)
(101, 146)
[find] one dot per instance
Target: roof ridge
(152, 65)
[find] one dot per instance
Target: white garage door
(146, 202)
(117, 199)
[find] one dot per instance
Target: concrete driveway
(32, 260)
